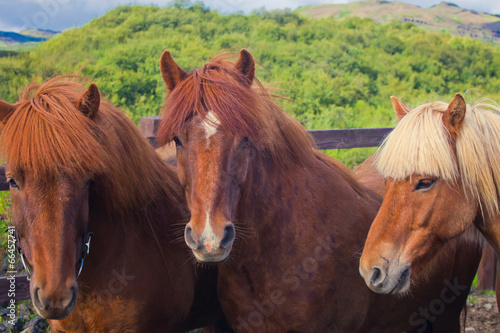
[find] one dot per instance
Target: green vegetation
(18, 47)
(339, 74)
(4, 218)
(344, 13)
(472, 299)
(439, 19)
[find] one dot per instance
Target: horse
(284, 222)
(442, 169)
(75, 165)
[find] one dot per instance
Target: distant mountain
(14, 38)
(15, 41)
(40, 33)
(444, 17)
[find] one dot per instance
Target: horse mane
(242, 110)
(420, 144)
(47, 135)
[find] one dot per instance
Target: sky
(17, 15)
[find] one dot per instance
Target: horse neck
(268, 183)
(151, 224)
(489, 227)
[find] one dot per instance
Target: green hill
(340, 74)
(444, 17)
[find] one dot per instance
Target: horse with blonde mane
(442, 169)
(283, 221)
(75, 165)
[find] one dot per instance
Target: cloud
(9, 27)
(47, 14)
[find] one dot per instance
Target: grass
(18, 46)
(344, 13)
(351, 157)
(472, 299)
(439, 19)
(4, 217)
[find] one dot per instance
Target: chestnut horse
(75, 165)
(288, 220)
(442, 170)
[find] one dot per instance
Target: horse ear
(399, 107)
(6, 110)
(171, 72)
(246, 65)
(454, 116)
(90, 101)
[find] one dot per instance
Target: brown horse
(76, 164)
(442, 170)
(287, 219)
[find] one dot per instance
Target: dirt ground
(482, 314)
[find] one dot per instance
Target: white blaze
(208, 236)
(210, 124)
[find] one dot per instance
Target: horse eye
(177, 141)
(424, 184)
(13, 183)
(245, 140)
(87, 184)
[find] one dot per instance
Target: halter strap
(87, 237)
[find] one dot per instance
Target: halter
(87, 237)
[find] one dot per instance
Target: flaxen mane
(420, 145)
(47, 135)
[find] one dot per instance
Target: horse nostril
(188, 236)
(405, 274)
(73, 297)
(229, 234)
(377, 277)
(36, 299)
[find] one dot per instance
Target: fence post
(149, 126)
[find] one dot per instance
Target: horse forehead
(58, 184)
(210, 124)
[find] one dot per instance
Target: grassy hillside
(339, 74)
(445, 17)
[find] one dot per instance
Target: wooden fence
(325, 139)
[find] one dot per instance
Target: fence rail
(325, 139)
